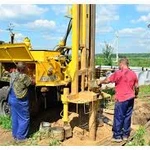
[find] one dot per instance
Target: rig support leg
(65, 105)
(92, 120)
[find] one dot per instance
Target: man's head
(21, 66)
(123, 63)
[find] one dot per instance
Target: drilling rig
(71, 68)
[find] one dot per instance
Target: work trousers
(20, 116)
(122, 118)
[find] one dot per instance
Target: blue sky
(124, 26)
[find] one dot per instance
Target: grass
(144, 91)
(138, 139)
(35, 138)
(38, 136)
(5, 122)
(135, 59)
(54, 142)
(110, 91)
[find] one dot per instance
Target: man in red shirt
(126, 89)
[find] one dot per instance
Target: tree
(107, 53)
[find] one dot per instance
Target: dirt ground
(80, 126)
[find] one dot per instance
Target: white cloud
(20, 11)
(143, 8)
(144, 42)
(144, 18)
(1, 30)
(101, 44)
(42, 24)
(104, 29)
(49, 37)
(132, 32)
(134, 38)
(106, 13)
(19, 37)
(60, 9)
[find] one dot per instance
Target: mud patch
(6, 137)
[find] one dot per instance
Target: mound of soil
(141, 113)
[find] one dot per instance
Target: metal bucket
(68, 131)
(44, 126)
(58, 133)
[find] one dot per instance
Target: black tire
(4, 107)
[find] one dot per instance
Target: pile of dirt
(81, 136)
(6, 137)
(141, 113)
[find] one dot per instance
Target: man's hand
(33, 81)
(98, 81)
(136, 92)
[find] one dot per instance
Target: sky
(123, 26)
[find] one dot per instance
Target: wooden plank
(107, 141)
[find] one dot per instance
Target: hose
(61, 48)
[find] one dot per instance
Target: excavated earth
(80, 126)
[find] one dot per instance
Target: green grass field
(135, 59)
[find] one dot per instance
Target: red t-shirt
(125, 81)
